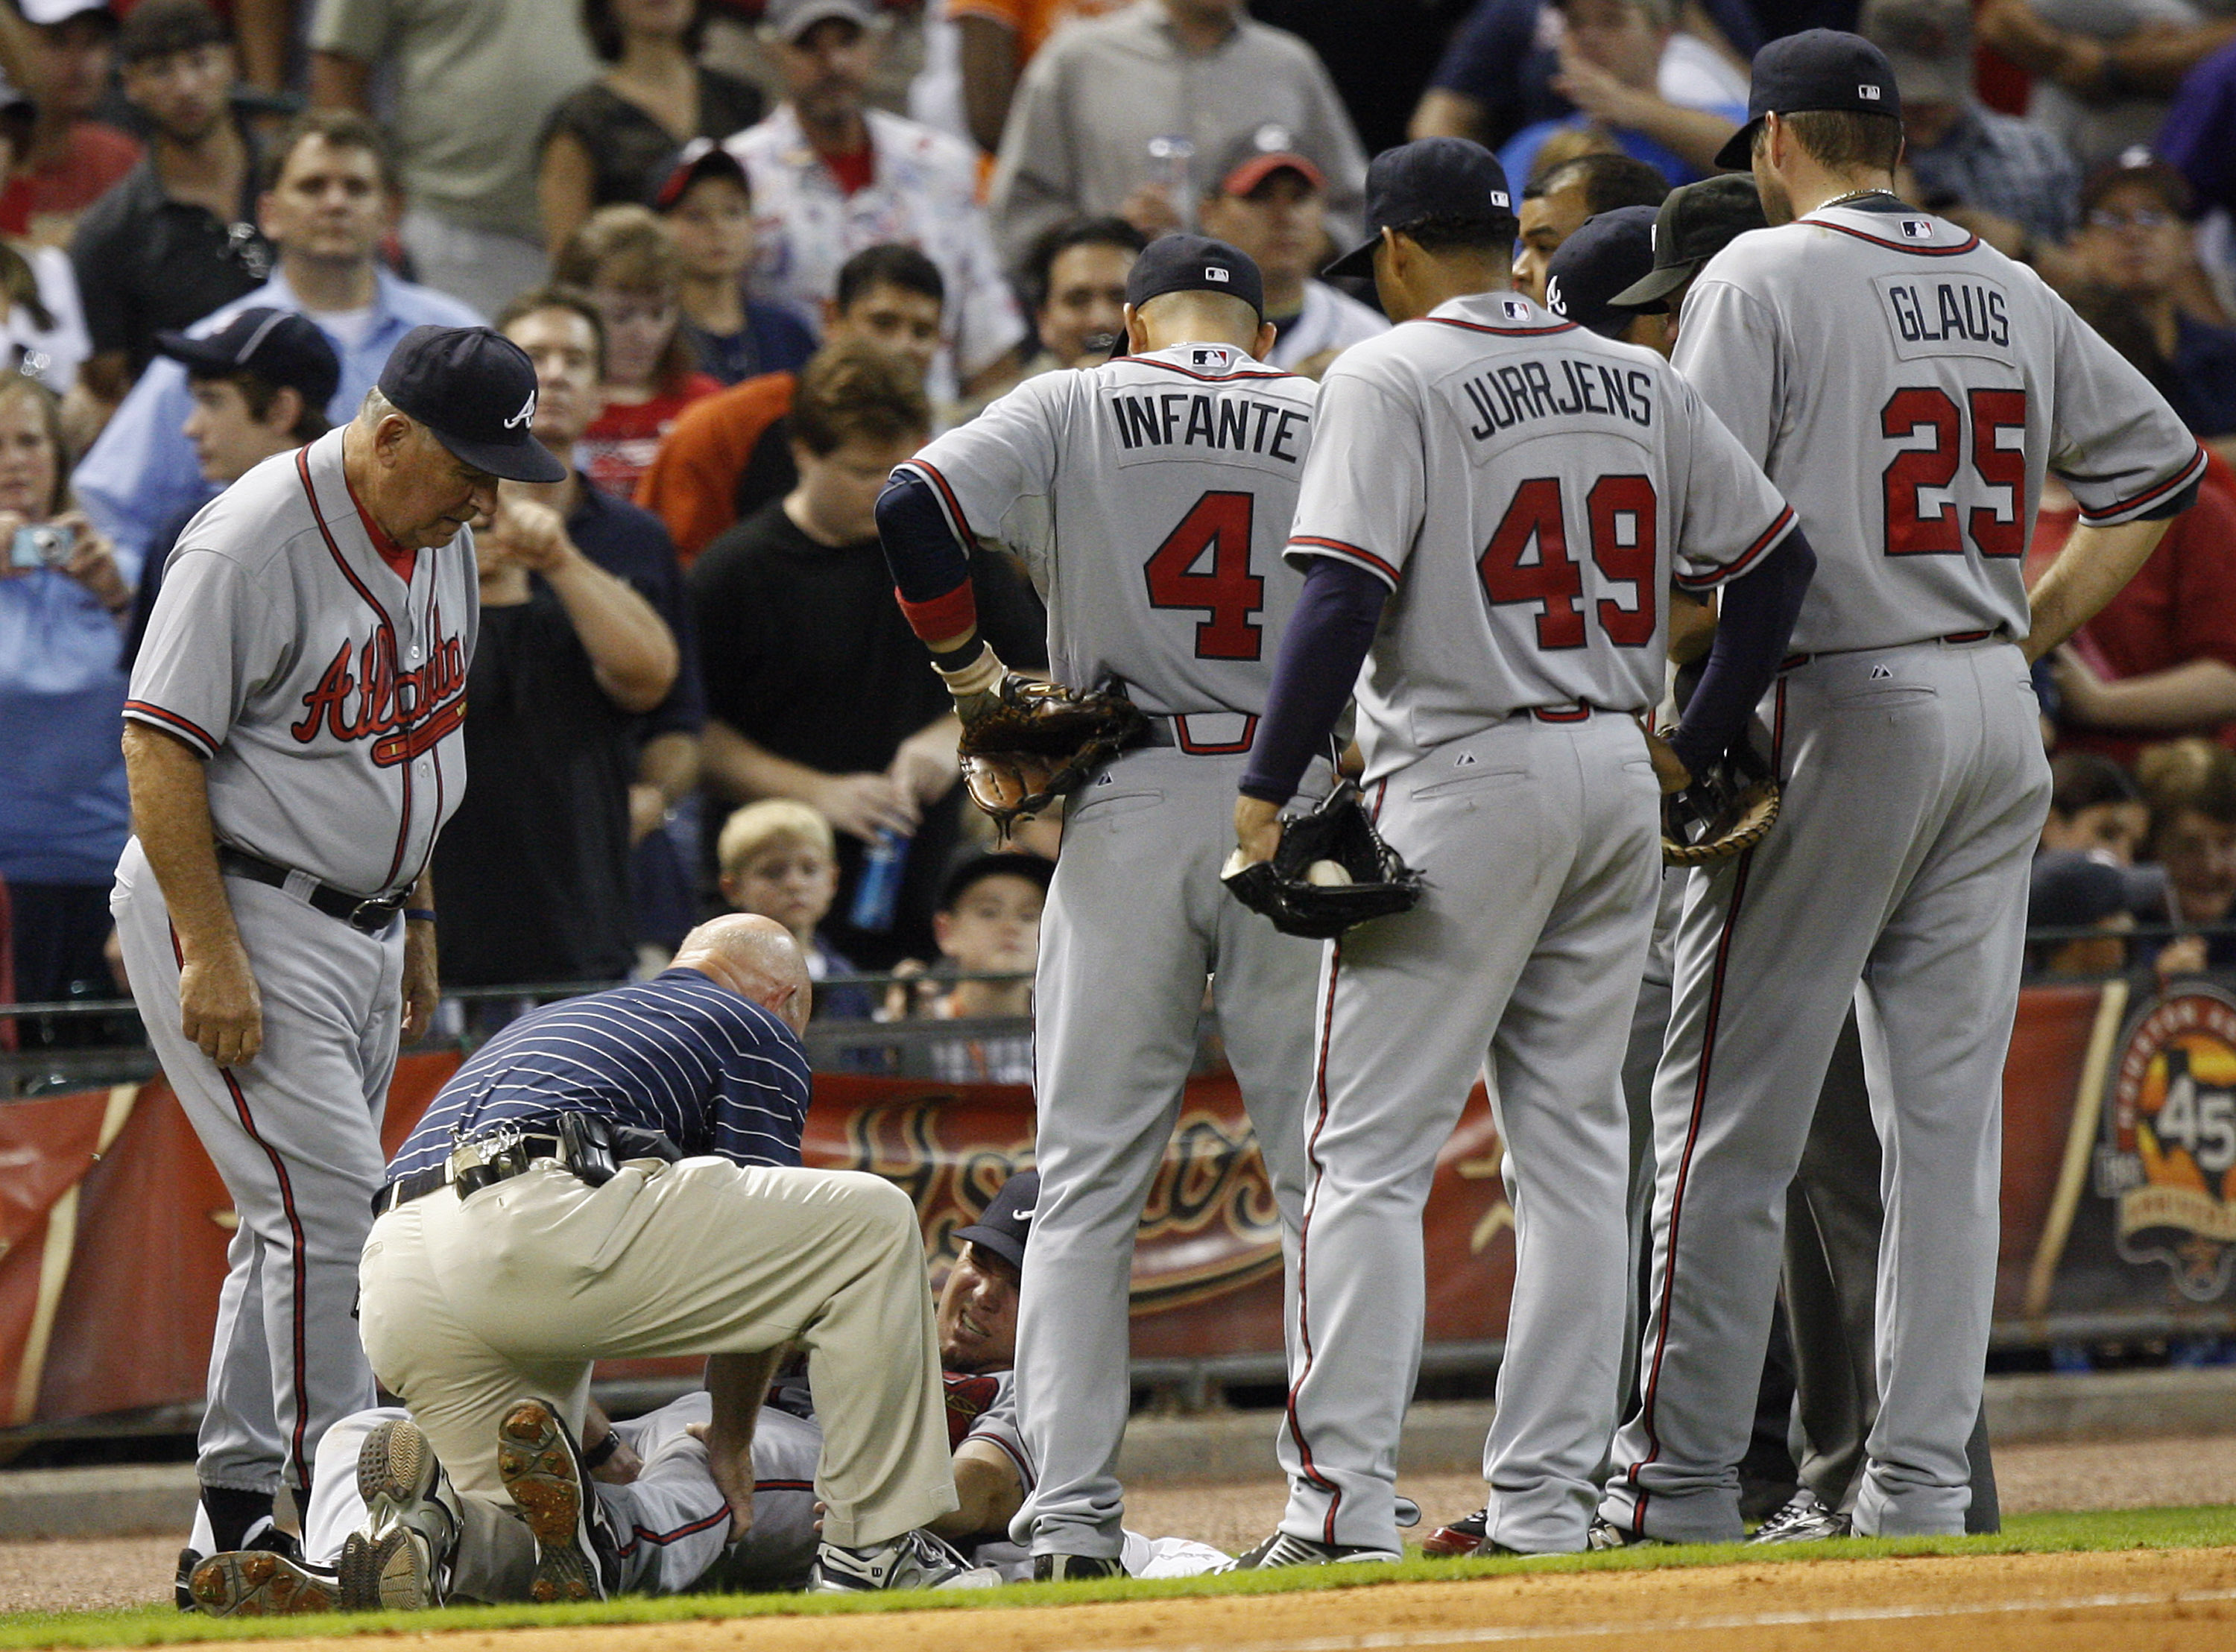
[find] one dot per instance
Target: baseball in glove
(1039, 740)
(1332, 871)
(1725, 812)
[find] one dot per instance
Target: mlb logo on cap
(1213, 272)
(1869, 92)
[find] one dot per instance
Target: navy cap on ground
(278, 347)
(1818, 69)
(1004, 1227)
(1195, 263)
(475, 391)
(1602, 258)
(668, 180)
(1447, 178)
(1696, 222)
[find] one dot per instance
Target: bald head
(754, 957)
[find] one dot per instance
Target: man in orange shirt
(995, 40)
(730, 453)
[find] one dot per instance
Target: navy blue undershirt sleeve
(1754, 623)
(1328, 638)
(926, 559)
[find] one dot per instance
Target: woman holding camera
(63, 814)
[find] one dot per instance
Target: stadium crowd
(761, 250)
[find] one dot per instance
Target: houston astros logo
(527, 412)
(2167, 1160)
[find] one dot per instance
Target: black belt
(525, 1149)
(1952, 638)
(371, 914)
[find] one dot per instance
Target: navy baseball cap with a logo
(475, 391)
(1818, 69)
(278, 347)
(1195, 263)
(1610, 252)
(1004, 1226)
(1446, 178)
(1696, 222)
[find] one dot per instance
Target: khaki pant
(469, 1304)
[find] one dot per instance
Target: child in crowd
(779, 860)
(989, 922)
(2095, 806)
(624, 258)
(706, 203)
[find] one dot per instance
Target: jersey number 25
(1912, 528)
(1227, 593)
(1621, 512)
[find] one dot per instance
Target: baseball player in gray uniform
(1149, 497)
(1495, 504)
(292, 740)
(1912, 436)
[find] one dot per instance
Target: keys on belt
(373, 914)
(584, 1145)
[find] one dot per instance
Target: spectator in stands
(988, 923)
(259, 385)
(569, 658)
(1556, 204)
(707, 205)
(1102, 92)
(63, 815)
(2084, 889)
(563, 333)
(625, 260)
(1959, 152)
(1611, 53)
(1270, 201)
(831, 176)
(42, 322)
(731, 454)
(2191, 787)
(178, 237)
(600, 143)
(994, 39)
(779, 859)
(2135, 239)
(66, 52)
(2094, 808)
(471, 83)
(1076, 281)
(329, 197)
(816, 688)
(2103, 69)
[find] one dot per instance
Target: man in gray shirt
(1100, 92)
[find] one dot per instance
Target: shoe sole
(537, 1465)
(396, 1464)
(389, 1573)
(255, 1583)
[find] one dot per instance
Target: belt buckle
(372, 906)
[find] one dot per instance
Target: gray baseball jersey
(326, 692)
(1970, 374)
(1159, 555)
(1528, 489)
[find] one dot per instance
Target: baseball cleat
(541, 1467)
(261, 1582)
(1282, 1549)
(1804, 1519)
(913, 1560)
(1461, 1536)
(201, 1546)
(1075, 1568)
(1605, 1534)
(399, 1560)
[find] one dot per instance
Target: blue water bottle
(879, 891)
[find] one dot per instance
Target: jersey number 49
(1621, 514)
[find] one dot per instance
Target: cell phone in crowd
(45, 545)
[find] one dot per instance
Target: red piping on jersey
(1342, 548)
(784, 1485)
(2188, 474)
(1208, 378)
(1740, 563)
(1579, 712)
(400, 559)
(172, 720)
(950, 614)
(959, 522)
(1503, 332)
(1225, 748)
(1650, 1389)
(661, 1539)
(1970, 242)
(1304, 1230)
(296, 1247)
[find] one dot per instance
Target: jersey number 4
(1227, 593)
(1621, 512)
(1913, 529)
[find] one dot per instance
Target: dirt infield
(2137, 1602)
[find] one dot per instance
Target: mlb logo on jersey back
(1917, 229)
(1211, 357)
(1515, 309)
(1869, 93)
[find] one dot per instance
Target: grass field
(2034, 1534)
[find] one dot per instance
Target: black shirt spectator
(625, 143)
(805, 653)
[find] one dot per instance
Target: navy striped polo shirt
(712, 1071)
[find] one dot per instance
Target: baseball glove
(1332, 871)
(1039, 740)
(1723, 813)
